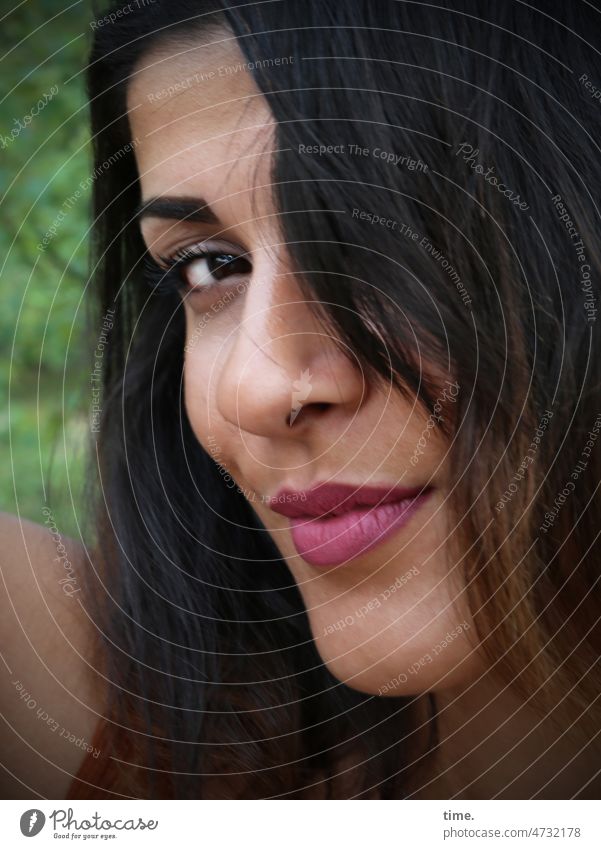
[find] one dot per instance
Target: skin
(213, 140)
(45, 648)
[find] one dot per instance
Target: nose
(283, 370)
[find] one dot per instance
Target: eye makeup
(196, 270)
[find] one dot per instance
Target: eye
(195, 270)
(204, 270)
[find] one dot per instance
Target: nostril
(301, 409)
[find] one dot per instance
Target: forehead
(198, 119)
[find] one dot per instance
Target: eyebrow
(177, 208)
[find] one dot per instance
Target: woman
(347, 498)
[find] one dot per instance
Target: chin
(399, 674)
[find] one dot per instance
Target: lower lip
(336, 540)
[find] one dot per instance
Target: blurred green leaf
(42, 333)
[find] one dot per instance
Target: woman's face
(279, 405)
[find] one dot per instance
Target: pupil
(221, 265)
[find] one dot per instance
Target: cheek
(202, 354)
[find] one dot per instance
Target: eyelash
(167, 278)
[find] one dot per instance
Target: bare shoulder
(48, 687)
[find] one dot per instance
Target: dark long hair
(205, 643)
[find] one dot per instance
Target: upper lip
(337, 498)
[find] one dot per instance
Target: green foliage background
(45, 373)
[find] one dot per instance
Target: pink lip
(334, 523)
